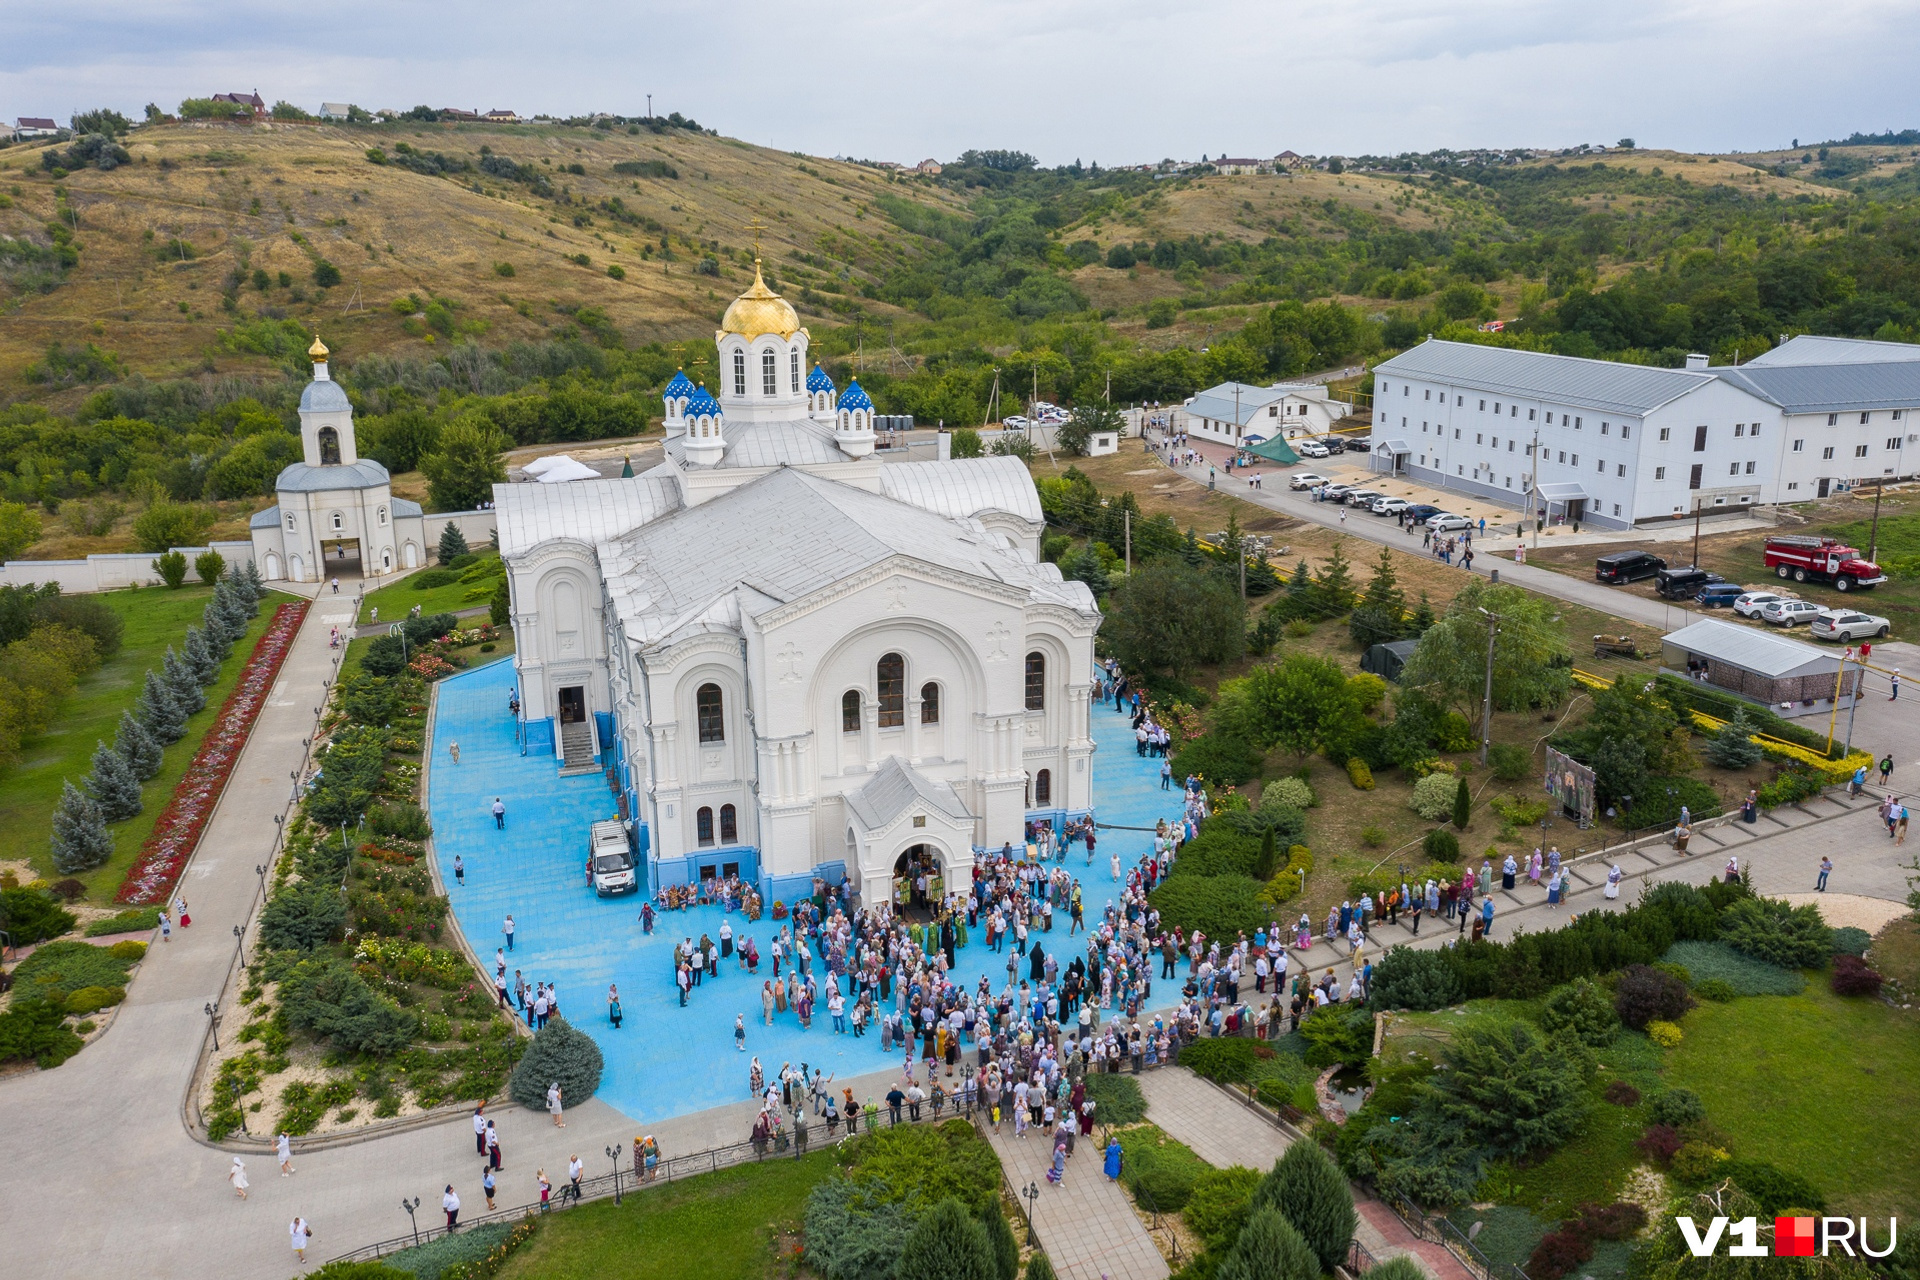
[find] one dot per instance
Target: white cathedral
(793, 656)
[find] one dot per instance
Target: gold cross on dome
(756, 226)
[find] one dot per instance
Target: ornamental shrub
(1399, 1267)
(1664, 1034)
(1853, 976)
(1771, 930)
(1006, 1249)
(1510, 762)
(1433, 796)
(1038, 1268)
(93, 999)
(1117, 1099)
(324, 995)
(1697, 1162)
(1406, 978)
(946, 1244)
(1558, 1254)
(1462, 804)
(1658, 1143)
(1706, 962)
(1223, 1059)
(1220, 906)
(1644, 994)
(1440, 845)
(1718, 990)
(1676, 1108)
(1509, 1089)
(1733, 746)
(1776, 1190)
(30, 916)
(1622, 1094)
(1270, 1247)
(172, 568)
(1307, 1188)
(558, 1053)
(1581, 1011)
(1218, 1206)
(58, 969)
(36, 1030)
(1359, 775)
(854, 1231)
(129, 950)
(1852, 941)
(304, 917)
(135, 920)
(1290, 791)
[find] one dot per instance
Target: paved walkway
(1086, 1224)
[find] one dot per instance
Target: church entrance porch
(919, 877)
(576, 731)
(340, 558)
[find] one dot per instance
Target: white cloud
(1122, 80)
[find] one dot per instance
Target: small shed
(1755, 664)
(1387, 660)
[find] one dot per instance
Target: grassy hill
(198, 210)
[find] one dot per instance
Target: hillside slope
(199, 210)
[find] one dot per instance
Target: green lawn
(1821, 1086)
(394, 601)
(718, 1226)
(155, 617)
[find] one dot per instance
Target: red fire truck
(1812, 559)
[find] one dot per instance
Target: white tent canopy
(559, 469)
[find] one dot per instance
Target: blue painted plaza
(667, 1060)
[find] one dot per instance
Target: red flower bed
(154, 873)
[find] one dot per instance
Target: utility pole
(1533, 490)
(1126, 521)
(1486, 709)
(649, 106)
(1696, 533)
(1873, 540)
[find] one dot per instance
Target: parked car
(1627, 566)
(1357, 444)
(1335, 492)
(1842, 624)
(1683, 584)
(1388, 506)
(1305, 480)
(1312, 449)
(1719, 595)
(1015, 423)
(1419, 511)
(610, 859)
(1447, 522)
(1750, 604)
(1361, 497)
(1784, 613)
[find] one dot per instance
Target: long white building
(1620, 444)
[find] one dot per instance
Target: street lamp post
(614, 1154)
(410, 1206)
(1486, 709)
(213, 1025)
(1032, 1196)
(237, 1089)
(240, 945)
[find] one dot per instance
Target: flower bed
(155, 871)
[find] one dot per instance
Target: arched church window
(850, 711)
(739, 373)
(769, 374)
(703, 826)
(383, 517)
(329, 447)
(729, 825)
(289, 522)
(338, 524)
(793, 368)
(893, 693)
(1036, 682)
(929, 703)
(1043, 788)
(711, 713)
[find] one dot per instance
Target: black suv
(1627, 566)
(1683, 584)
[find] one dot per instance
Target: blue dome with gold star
(855, 397)
(702, 402)
(680, 386)
(818, 380)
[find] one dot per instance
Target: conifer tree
(159, 713)
(1006, 1249)
(1038, 1268)
(1333, 585)
(1087, 567)
(113, 784)
(182, 683)
(81, 840)
(199, 656)
(452, 543)
(947, 1244)
(1271, 1248)
(1733, 746)
(1422, 618)
(1311, 1192)
(142, 752)
(1378, 617)
(1462, 805)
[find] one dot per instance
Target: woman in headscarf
(1486, 877)
(1553, 891)
(1534, 867)
(1112, 1163)
(1613, 882)
(1303, 932)
(1508, 870)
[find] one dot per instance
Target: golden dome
(760, 311)
(318, 351)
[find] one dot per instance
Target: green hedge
(1218, 757)
(138, 920)
(1691, 695)
(428, 1260)
(58, 969)
(1117, 1099)
(1220, 906)
(1159, 1171)
(1710, 961)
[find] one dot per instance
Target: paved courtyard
(669, 1061)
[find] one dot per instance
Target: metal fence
(1439, 1229)
(626, 1180)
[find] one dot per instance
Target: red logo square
(1795, 1237)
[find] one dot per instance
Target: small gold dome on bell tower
(318, 351)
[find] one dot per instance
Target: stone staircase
(576, 748)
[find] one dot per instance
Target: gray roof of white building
(1752, 649)
(1218, 403)
(897, 786)
(1603, 385)
(301, 478)
(786, 535)
(403, 507)
(965, 486)
(268, 519)
(769, 444)
(323, 396)
(1812, 348)
(1832, 388)
(590, 510)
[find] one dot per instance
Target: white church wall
(114, 571)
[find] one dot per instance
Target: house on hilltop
(25, 127)
(500, 115)
(253, 102)
(1236, 165)
(931, 167)
(336, 110)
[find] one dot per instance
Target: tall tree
(1530, 658)
(465, 464)
(947, 1244)
(199, 656)
(1271, 1248)
(1380, 614)
(81, 840)
(183, 683)
(113, 784)
(1308, 1188)
(1168, 618)
(139, 748)
(1292, 703)
(1333, 593)
(452, 543)
(159, 713)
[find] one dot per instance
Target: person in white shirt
(451, 1203)
(302, 1235)
(284, 1148)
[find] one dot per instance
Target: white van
(610, 859)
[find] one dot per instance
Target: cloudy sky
(1118, 81)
